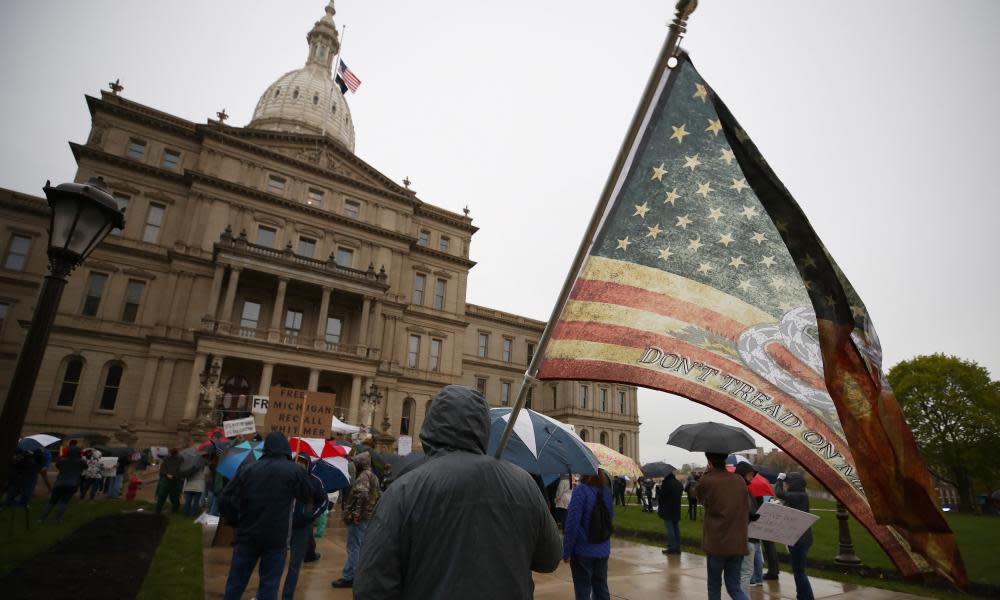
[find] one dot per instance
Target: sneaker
(343, 583)
(756, 583)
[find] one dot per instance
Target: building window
(583, 434)
(314, 197)
(133, 295)
(484, 342)
(315, 99)
(70, 382)
(444, 244)
(529, 397)
(352, 209)
(604, 399)
(345, 257)
(249, 319)
(276, 185)
(413, 352)
(621, 443)
(419, 283)
(122, 201)
(424, 239)
(504, 394)
(171, 159)
(95, 290)
(136, 149)
(277, 92)
(266, 236)
(112, 381)
(531, 353)
(555, 396)
(621, 402)
(307, 247)
(604, 438)
(584, 391)
(406, 417)
(154, 221)
(333, 326)
(481, 385)
(508, 344)
(435, 355)
(293, 325)
(17, 253)
(439, 288)
(4, 309)
(295, 93)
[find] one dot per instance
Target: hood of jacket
(795, 481)
(363, 461)
(276, 444)
(459, 419)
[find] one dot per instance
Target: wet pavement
(635, 572)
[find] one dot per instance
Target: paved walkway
(635, 572)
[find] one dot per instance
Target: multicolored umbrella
(317, 447)
(613, 462)
(540, 444)
(236, 456)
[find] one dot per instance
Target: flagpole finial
(679, 26)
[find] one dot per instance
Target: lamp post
(846, 555)
(81, 215)
(374, 397)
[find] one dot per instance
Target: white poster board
(782, 524)
(239, 427)
(258, 405)
(109, 463)
(405, 445)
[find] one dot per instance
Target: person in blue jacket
(588, 560)
(302, 545)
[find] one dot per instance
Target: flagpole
(340, 49)
(665, 61)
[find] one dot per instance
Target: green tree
(953, 408)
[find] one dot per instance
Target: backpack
(600, 521)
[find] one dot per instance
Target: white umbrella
(339, 426)
(43, 438)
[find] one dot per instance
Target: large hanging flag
(347, 77)
(705, 279)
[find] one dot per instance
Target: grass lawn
(978, 539)
(18, 544)
(176, 570)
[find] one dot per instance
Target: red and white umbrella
(317, 447)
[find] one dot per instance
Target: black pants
(770, 557)
(620, 497)
(692, 508)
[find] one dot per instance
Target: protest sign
(300, 413)
(237, 427)
(782, 524)
(405, 445)
(109, 462)
(258, 405)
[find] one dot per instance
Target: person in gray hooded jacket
(462, 524)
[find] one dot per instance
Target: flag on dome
(347, 77)
(706, 280)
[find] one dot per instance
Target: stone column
(274, 333)
(355, 409)
(163, 381)
(194, 386)
(146, 388)
(313, 380)
(213, 296)
(366, 306)
(376, 327)
(226, 319)
(265, 379)
(324, 309)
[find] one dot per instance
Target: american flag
(348, 77)
(706, 280)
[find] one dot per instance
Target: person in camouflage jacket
(358, 510)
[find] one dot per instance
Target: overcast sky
(880, 117)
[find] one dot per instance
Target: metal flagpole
(340, 50)
(666, 61)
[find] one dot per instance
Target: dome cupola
(307, 100)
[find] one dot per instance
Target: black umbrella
(405, 463)
(87, 435)
(711, 437)
(657, 469)
(191, 462)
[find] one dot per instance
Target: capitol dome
(307, 100)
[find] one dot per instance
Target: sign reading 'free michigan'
(287, 406)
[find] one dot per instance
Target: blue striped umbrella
(540, 444)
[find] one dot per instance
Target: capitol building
(262, 256)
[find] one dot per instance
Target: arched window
(295, 93)
(583, 434)
(427, 407)
(333, 107)
(70, 381)
(621, 444)
(112, 381)
(604, 438)
(277, 92)
(406, 417)
(315, 99)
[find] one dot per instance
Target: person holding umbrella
(669, 509)
(795, 496)
(302, 545)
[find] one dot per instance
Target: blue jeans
(191, 502)
(758, 564)
(673, 535)
(297, 546)
(724, 568)
(115, 487)
(803, 590)
(355, 537)
(245, 557)
(590, 576)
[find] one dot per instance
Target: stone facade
(281, 255)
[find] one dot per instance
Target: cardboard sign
(239, 427)
(782, 524)
(258, 405)
(300, 413)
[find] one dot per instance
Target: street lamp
(80, 216)
(374, 397)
